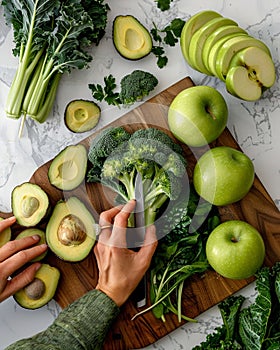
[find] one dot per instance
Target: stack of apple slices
(216, 45)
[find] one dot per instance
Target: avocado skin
(119, 33)
(50, 276)
(88, 115)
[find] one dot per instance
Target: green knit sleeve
(82, 325)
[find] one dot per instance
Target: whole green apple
(235, 249)
(198, 115)
(223, 175)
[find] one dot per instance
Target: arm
(84, 323)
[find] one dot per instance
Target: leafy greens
(51, 38)
(256, 327)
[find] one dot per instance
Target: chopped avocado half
(5, 235)
(70, 232)
(81, 115)
(41, 290)
(131, 39)
(30, 204)
(31, 232)
(68, 169)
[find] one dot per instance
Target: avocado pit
(29, 205)
(36, 289)
(71, 231)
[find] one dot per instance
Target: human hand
(120, 268)
(14, 255)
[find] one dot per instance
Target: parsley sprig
(167, 36)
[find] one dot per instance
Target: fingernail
(36, 237)
(12, 218)
(37, 267)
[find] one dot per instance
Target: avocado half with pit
(41, 290)
(131, 38)
(5, 235)
(81, 115)
(70, 232)
(68, 169)
(32, 232)
(30, 204)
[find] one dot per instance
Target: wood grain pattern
(201, 292)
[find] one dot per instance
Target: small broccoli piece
(136, 85)
(107, 141)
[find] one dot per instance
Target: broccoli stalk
(152, 153)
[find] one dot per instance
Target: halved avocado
(41, 290)
(68, 169)
(5, 236)
(30, 204)
(81, 115)
(131, 39)
(31, 232)
(70, 232)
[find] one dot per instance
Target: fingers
(15, 246)
(118, 236)
(20, 281)
(149, 247)
(19, 259)
(7, 223)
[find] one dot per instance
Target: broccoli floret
(107, 141)
(151, 153)
(136, 85)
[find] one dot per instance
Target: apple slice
(251, 71)
(199, 38)
(191, 26)
(217, 35)
(213, 53)
(230, 48)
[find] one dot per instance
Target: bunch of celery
(51, 38)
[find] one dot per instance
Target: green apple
(218, 34)
(214, 51)
(199, 38)
(230, 48)
(223, 175)
(235, 249)
(198, 115)
(251, 72)
(191, 26)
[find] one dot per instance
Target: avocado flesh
(42, 291)
(5, 235)
(31, 232)
(68, 169)
(30, 204)
(131, 39)
(71, 242)
(81, 115)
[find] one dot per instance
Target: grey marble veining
(255, 126)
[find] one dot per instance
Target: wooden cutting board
(201, 292)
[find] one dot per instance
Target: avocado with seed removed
(70, 232)
(30, 204)
(81, 115)
(32, 232)
(41, 290)
(131, 39)
(68, 169)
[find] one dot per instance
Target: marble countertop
(255, 126)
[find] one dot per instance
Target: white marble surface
(255, 126)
